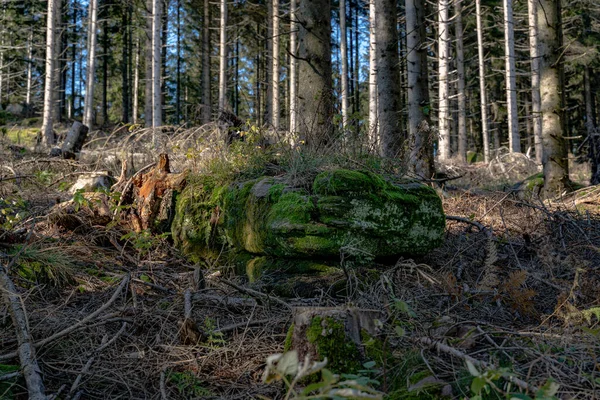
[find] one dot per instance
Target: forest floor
(510, 303)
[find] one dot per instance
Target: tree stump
(74, 140)
(347, 337)
(152, 197)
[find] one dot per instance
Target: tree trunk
(535, 79)
(315, 102)
(105, 71)
(47, 124)
(58, 30)
(443, 78)
(419, 125)
(74, 58)
(373, 114)
(136, 82)
(29, 68)
(124, 64)
(223, 56)
(91, 65)
(388, 79)
(591, 127)
(74, 141)
(556, 170)
(485, 132)
(148, 67)
(344, 61)
(511, 79)
(206, 106)
(178, 81)
(460, 85)
(275, 66)
(293, 71)
(156, 60)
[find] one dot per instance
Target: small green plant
(144, 241)
(486, 383)
(288, 369)
(79, 200)
(215, 338)
(188, 384)
(12, 211)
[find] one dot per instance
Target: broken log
(74, 140)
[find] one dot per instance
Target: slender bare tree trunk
(206, 106)
(156, 61)
(58, 30)
(388, 79)
(419, 126)
(223, 56)
(485, 132)
(535, 79)
(293, 71)
(373, 115)
(344, 61)
(555, 161)
(148, 54)
(275, 66)
(460, 84)
(136, 82)
(47, 124)
(443, 89)
(91, 64)
(511, 79)
(29, 69)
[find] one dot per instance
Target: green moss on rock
(328, 335)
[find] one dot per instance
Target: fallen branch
(481, 364)
(255, 293)
(73, 327)
(26, 351)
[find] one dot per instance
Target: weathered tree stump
(347, 337)
(74, 140)
(151, 196)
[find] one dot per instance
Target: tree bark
(91, 65)
(485, 133)
(206, 102)
(535, 79)
(136, 82)
(47, 124)
(275, 66)
(556, 169)
(293, 72)
(29, 68)
(511, 79)
(388, 79)
(124, 64)
(373, 114)
(591, 127)
(315, 102)
(460, 85)
(443, 80)
(148, 66)
(156, 60)
(419, 126)
(344, 61)
(223, 56)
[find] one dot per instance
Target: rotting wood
(151, 197)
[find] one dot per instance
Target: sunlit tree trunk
(535, 79)
(443, 89)
(275, 66)
(419, 126)
(29, 67)
(460, 84)
(511, 79)
(156, 61)
(388, 79)
(206, 87)
(485, 132)
(47, 124)
(556, 169)
(344, 61)
(373, 115)
(293, 71)
(223, 56)
(315, 102)
(136, 82)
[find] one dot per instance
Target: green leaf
(369, 364)
(288, 364)
(478, 384)
(400, 331)
(519, 396)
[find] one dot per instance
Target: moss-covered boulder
(344, 213)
